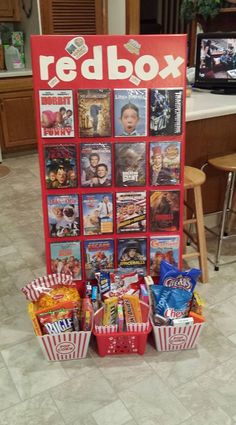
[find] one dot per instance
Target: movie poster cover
(56, 113)
(166, 110)
(164, 163)
(97, 213)
(163, 248)
(130, 164)
(95, 164)
(63, 216)
(99, 255)
(132, 254)
(131, 212)
(164, 210)
(130, 108)
(60, 166)
(66, 258)
(94, 112)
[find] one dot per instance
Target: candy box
(110, 341)
(174, 338)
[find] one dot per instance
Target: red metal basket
(122, 342)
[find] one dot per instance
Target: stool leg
(232, 200)
(232, 216)
(224, 213)
(185, 240)
(201, 234)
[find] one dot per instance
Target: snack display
(117, 308)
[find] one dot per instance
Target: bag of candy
(172, 277)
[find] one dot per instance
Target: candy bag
(172, 277)
(57, 321)
(169, 302)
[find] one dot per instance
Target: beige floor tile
(39, 410)
(30, 372)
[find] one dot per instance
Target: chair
(226, 163)
(193, 179)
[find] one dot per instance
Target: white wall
(116, 16)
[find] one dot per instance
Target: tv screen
(216, 61)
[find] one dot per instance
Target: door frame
(132, 12)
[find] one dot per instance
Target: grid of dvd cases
(112, 178)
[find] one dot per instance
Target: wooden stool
(193, 179)
(225, 163)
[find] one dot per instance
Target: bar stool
(226, 163)
(193, 179)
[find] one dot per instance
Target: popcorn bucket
(174, 338)
(67, 346)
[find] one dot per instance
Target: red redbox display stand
(110, 116)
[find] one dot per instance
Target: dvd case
(164, 210)
(131, 212)
(63, 216)
(94, 112)
(164, 163)
(95, 164)
(56, 113)
(130, 108)
(132, 254)
(163, 248)
(97, 213)
(166, 111)
(66, 258)
(130, 164)
(99, 255)
(60, 166)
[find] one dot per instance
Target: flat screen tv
(216, 62)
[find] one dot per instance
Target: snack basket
(134, 340)
(63, 346)
(174, 338)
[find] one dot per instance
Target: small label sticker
(133, 46)
(53, 82)
(135, 80)
(76, 47)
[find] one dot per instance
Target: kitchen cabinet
(17, 122)
(9, 10)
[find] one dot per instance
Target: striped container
(65, 346)
(174, 338)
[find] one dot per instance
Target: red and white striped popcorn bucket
(66, 346)
(174, 338)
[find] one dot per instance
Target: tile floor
(195, 387)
